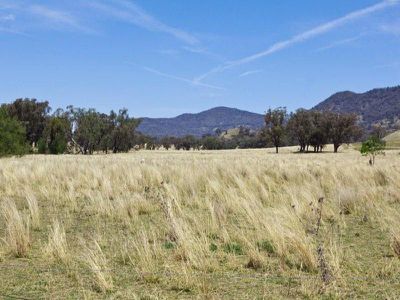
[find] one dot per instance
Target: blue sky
(162, 58)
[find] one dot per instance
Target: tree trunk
(277, 149)
(335, 147)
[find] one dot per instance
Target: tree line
(244, 139)
(28, 125)
(310, 128)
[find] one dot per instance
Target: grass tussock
(17, 232)
(33, 210)
(395, 242)
(96, 261)
(57, 244)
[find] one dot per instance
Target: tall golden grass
(57, 247)
(191, 212)
(17, 234)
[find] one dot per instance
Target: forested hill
(206, 122)
(375, 106)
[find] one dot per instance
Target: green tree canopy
(123, 135)
(95, 131)
(90, 129)
(32, 115)
(372, 147)
(56, 136)
(300, 126)
(275, 125)
(344, 129)
(12, 135)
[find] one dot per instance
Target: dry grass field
(393, 140)
(240, 224)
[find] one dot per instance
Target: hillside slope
(393, 140)
(205, 122)
(375, 106)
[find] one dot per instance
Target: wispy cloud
(129, 12)
(182, 79)
(8, 4)
(248, 73)
(190, 49)
(11, 31)
(340, 43)
(203, 51)
(304, 36)
(58, 17)
(34, 14)
(393, 28)
(7, 21)
(7, 18)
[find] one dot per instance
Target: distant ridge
(205, 122)
(381, 105)
(375, 106)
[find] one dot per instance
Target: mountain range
(206, 122)
(375, 106)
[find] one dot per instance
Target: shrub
(372, 147)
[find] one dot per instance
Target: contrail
(189, 81)
(302, 37)
(130, 12)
